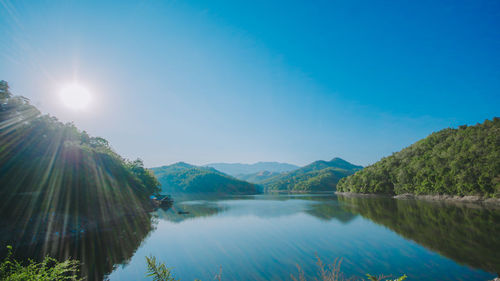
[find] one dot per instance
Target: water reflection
(322, 206)
(99, 248)
(263, 237)
(189, 210)
(467, 234)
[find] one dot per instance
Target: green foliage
(332, 272)
(379, 278)
(463, 161)
(98, 245)
(53, 167)
(4, 90)
(145, 176)
(158, 271)
(317, 176)
(47, 270)
(258, 177)
(185, 178)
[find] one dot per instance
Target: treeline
(50, 168)
(317, 176)
(185, 178)
(258, 177)
(463, 161)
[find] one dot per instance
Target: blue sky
(231, 81)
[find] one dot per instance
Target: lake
(264, 237)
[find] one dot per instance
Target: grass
(330, 272)
(50, 269)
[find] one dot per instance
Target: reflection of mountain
(99, 249)
(466, 235)
(267, 206)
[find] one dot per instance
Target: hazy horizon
(251, 163)
(286, 81)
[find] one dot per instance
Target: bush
(47, 270)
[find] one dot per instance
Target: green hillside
(317, 176)
(48, 168)
(463, 161)
(235, 169)
(184, 178)
(258, 177)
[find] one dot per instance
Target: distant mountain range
(238, 169)
(317, 176)
(185, 178)
(253, 178)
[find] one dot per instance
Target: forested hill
(463, 161)
(50, 168)
(258, 177)
(185, 178)
(237, 169)
(317, 176)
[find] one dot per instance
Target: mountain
(463, 161)
(258, 177)
(51, 169)
(235, 169)
(317, 176)
(185, 178)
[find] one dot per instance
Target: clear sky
(248, 81)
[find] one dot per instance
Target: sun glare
(75, 96)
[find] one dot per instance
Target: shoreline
(299, 192)
(476, 200)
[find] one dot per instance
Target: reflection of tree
(466, 235)
(99, 249)
(331, 210)
(181, 212)
(322, 206)
(325, 207)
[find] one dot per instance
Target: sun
(74, 96)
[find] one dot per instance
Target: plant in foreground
(160, 272)
(332, 273)
(378, 278)
(48, 269)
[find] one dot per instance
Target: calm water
(263, 238)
